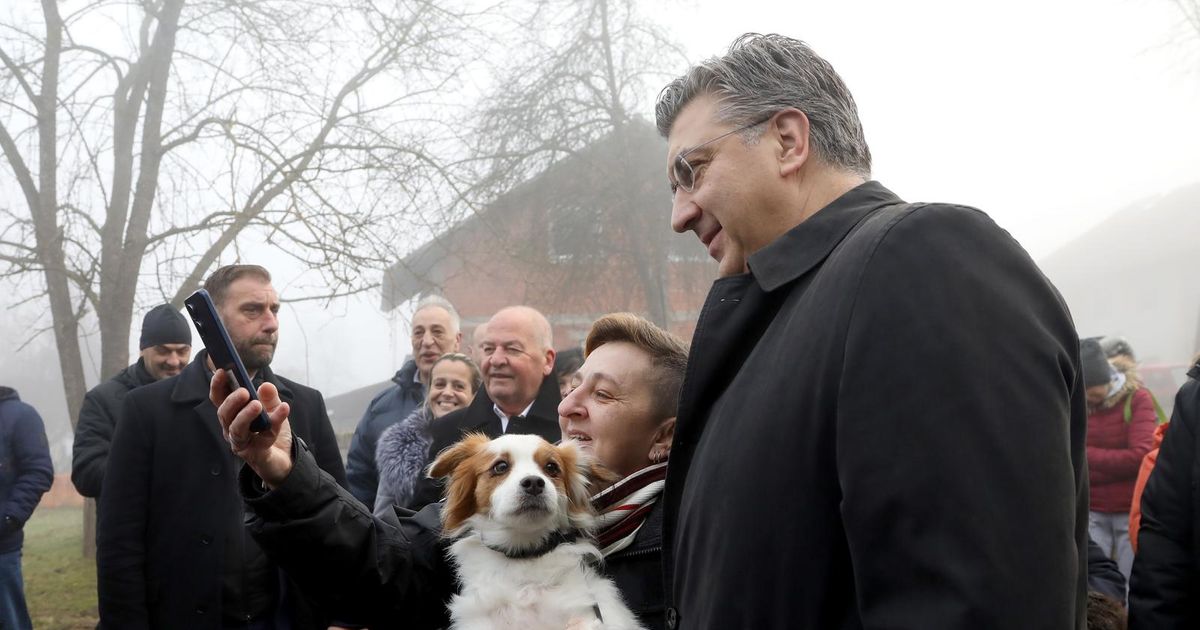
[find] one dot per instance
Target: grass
(60, 584)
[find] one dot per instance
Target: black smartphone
(220, 347)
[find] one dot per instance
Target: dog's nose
(533, 485)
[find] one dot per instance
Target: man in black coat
(1164, 590)
(883, 421)
(166, 346)
(173, 551)
(520, 393)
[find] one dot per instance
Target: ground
(60, 584)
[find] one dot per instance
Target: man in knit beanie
(166, 347)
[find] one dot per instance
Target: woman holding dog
(391, 570)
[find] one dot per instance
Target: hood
(8, 393)
(1133, 382)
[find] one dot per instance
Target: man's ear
(550, 354)
(458, 341)
(792, 134)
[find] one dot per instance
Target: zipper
(633, 554)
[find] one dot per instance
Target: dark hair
(568, 361)
(668, 354)
(218, 283)
(476, 375)
(1104, 613)
(763, 74)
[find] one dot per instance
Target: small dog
(520, 510)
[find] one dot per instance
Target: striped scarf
(623, 507)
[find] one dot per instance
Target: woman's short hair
(476, 375)
(668, 353)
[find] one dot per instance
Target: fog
(1051, 117)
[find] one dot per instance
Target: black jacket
(480, 417)
(1104, 574)
(882, 425)
(392, 569)
(97, 420)
(1164, 589)
(170, 493)
(26, 472)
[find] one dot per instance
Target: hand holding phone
(220, 347)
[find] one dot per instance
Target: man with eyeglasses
(883, 419)
(435, 331)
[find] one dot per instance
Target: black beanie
(1096, 368)
(164, 324)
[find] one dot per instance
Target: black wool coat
(97, 421)
(882, 425)
(480, 417)
(169, 495)
(1164, 589)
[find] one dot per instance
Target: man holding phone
(172, 548)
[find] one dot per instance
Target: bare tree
(147, 148)
(583, 77)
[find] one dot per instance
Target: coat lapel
(192, 390)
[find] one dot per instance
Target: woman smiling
(453, 381)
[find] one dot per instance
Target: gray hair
(763, 74)
(430, 301)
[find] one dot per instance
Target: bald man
(517, 360)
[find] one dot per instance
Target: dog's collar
(550, 544)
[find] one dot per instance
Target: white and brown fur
(506, 497)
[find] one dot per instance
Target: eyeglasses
(684, 174)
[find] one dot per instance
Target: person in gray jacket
(166, 347)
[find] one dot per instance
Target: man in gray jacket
(166, 347)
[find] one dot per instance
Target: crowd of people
(886, 419)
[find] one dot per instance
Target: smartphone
(220, 347)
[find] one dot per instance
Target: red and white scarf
(623, 507)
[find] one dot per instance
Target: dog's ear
(460, 490)
(455, 454)
(579, 475)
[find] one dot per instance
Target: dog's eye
(552, 469)
(500, 467)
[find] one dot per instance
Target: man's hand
(269, 453)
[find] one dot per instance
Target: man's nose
(684, 213)
(498, 357)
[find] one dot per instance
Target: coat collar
(545, 406)
(192, 383)
(806, 245)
